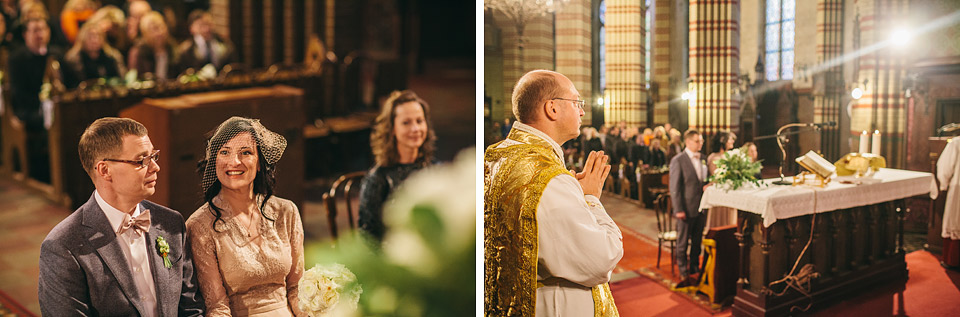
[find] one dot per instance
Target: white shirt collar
(525, 128)
(689, 153)
(114, 215)
(201, 42)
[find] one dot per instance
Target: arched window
(779, 39)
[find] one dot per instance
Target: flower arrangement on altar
(426, 263)
(734, 170)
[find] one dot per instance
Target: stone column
(573, 38)
(626, 93)
(714, 66)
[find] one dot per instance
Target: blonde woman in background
(91, 57)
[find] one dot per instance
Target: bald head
(534, 88)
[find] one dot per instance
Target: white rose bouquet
(329, 291)
(426, 263)
(734, 170)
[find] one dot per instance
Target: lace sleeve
(295, 234)
(208, 268)
(373, 192)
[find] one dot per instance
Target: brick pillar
(882, 106)
(573, 49)
(538, 49)
(828, 92)
(625, 92)
(663, 22)
(714, 65)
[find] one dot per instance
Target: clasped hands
(595, 171)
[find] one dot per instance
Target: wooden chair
(14, 144)
(666, 231)
(345, 188)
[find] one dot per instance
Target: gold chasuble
(510, 242)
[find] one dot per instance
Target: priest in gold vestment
(549, 246)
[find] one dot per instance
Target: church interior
(787, 77)
(314, 71)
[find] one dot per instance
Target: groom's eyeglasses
(578, 102)
(143, 162)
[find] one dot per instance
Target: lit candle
(863, 142)
(875, 147)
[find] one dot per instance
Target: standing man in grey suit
(118, 254)
(688, 175)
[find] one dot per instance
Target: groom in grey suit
(688, 175)
(118, 254)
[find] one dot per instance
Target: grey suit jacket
(686, 188)
(83, 271)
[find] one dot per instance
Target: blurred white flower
(322, 288)
(449, 190)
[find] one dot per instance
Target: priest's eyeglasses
(143, 162)
(579, 102)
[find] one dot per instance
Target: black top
(656, 158)
(374, 190)
(84, 67)
(26, 76)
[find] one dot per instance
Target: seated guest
(647, 135)
(656, 157)
(26, 67)
(73, 15)
(593, 143)
(675, 146)
(154, 52)
(11, 13)
(660, 133)
(204, 47)
(751, 150)
(636, 157)
(402, 143)
(136, 10)
(247, 243)
(91, 57)
(111, 21)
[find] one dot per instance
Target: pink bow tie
(139, 224)
(696, 156)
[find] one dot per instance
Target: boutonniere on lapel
(163, 249)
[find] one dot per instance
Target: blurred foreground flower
(426, 264)
(329, 291)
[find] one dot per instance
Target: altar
(857, 239)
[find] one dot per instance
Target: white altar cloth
(774, 202)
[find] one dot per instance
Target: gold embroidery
(510, 226)
(603, 305)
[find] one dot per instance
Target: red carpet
(639, 253)
(642, 296)
(649, 295)
(930, 291)
(9, 307)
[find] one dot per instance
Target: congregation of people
(96, 44)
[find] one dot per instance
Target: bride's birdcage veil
(270, 144)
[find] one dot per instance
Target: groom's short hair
(532, 89)
(104, 137)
